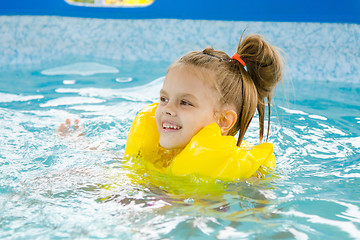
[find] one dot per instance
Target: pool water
(80, 187)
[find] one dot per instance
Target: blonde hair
(245, 89)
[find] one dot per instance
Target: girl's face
(187, 104)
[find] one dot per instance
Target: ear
(227, 121)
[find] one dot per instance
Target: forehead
(190, 82)
(191, 76)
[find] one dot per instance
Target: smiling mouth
(169, 126)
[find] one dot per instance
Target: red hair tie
(236, 56)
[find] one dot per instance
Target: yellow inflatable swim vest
(207, 154)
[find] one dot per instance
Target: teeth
(166, 125)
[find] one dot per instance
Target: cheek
(157, 112)
(195, 124)
(157, 116)
(208, 117)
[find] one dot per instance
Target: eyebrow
(185, 95)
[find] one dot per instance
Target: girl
(206, 99)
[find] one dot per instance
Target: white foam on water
(69, 82)
(123, 79)
(147, 92)
(70, 101)
(7, 97)
(317, 117)
(292, 111)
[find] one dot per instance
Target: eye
(163, 99)
(186, 103)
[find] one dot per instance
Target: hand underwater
(65, 129)
(75, 136)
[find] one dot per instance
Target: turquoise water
(78, 187)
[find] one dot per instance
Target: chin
(170, 146)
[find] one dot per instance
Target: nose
(168, 110)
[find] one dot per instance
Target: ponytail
(264, 68)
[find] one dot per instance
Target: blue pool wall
(313, 51)
(38, 33)
(345, 11)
